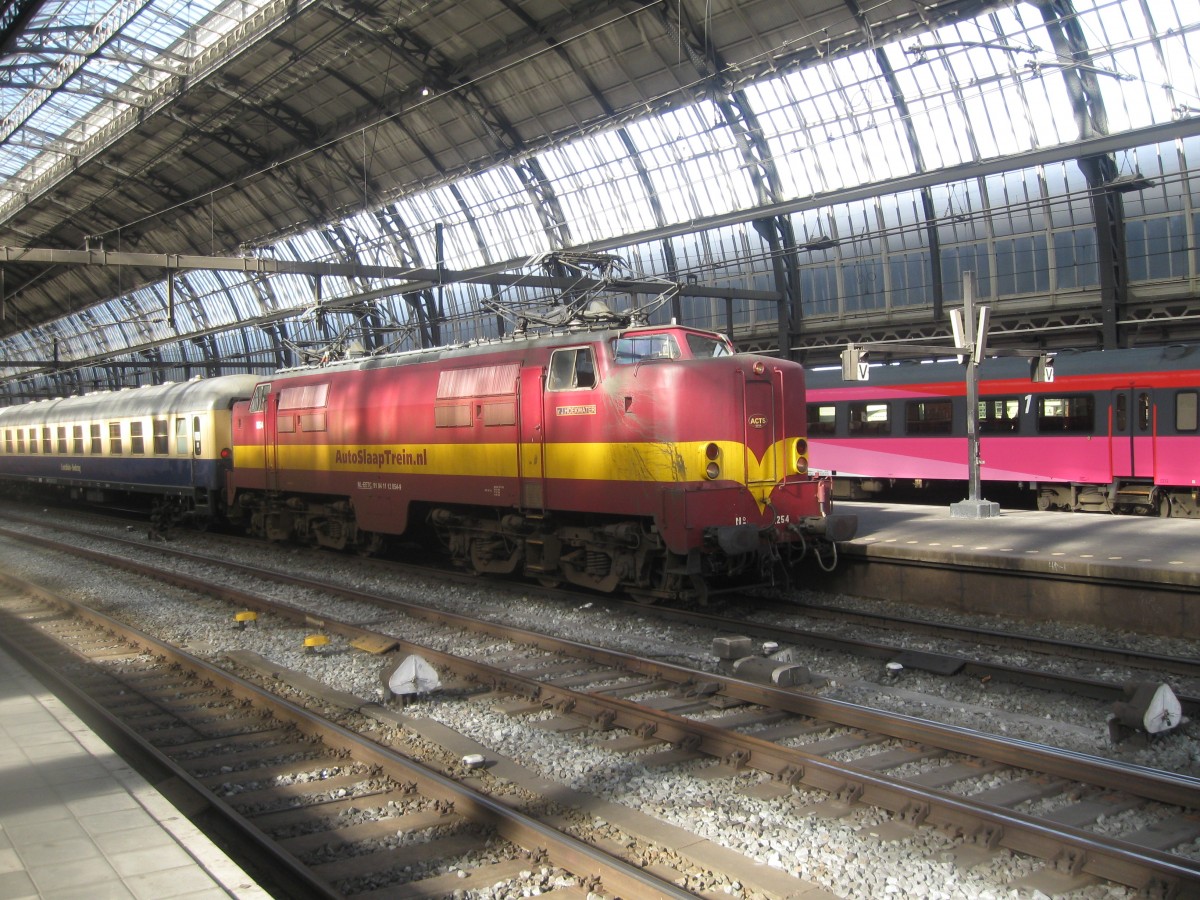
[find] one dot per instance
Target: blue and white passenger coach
(168, 444)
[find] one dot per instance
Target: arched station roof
(842, 161)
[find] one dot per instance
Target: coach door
(531, 457)
(1131, 433)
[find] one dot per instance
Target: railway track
(993, 793)
(328, 811)
(751, 617)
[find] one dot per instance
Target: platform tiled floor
(76, 822)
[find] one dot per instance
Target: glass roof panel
(78, 65)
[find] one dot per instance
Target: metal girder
(1108, 210)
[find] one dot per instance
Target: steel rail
(1101, 856)
(515, 826)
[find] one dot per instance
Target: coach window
(162, 437)
(181, 437)
(33, 440)
(97, 446)
(822, 418)
(1186, 411)
(1066, 415)
(870, 419)
(1121, 413)
(928, 417)
(998, 415)
(77, 440)
(20, 440)
(114, 438)
(571, 370)
(62, 439)
(1143, 411)
(8, 440)
(137, 441)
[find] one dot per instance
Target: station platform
(1135, 572)
(76, 821)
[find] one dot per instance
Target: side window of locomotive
(137, 440)
(1186, 411)
(258, 400)
(867, 419)
(822, 418)
(114, 438)
(999, 415)
(928, 417)
(572, 370)
(1066, 415)
(97, 444)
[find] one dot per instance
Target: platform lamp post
(970, 335)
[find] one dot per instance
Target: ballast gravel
(794, 833)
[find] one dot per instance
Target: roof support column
(1108, 211)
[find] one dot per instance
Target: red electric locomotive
(649, 459)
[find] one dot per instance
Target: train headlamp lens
(712, 470)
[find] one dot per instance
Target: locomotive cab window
(870, 419)
(999, 415)
(1075, 414)
(573, 369)
(1186, 411)
(822, 418)
(704, 347)
(638, 348)
(928, 417)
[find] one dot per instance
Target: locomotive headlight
(801, 456)
(712, 468)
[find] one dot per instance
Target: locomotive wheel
(1164, 505)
